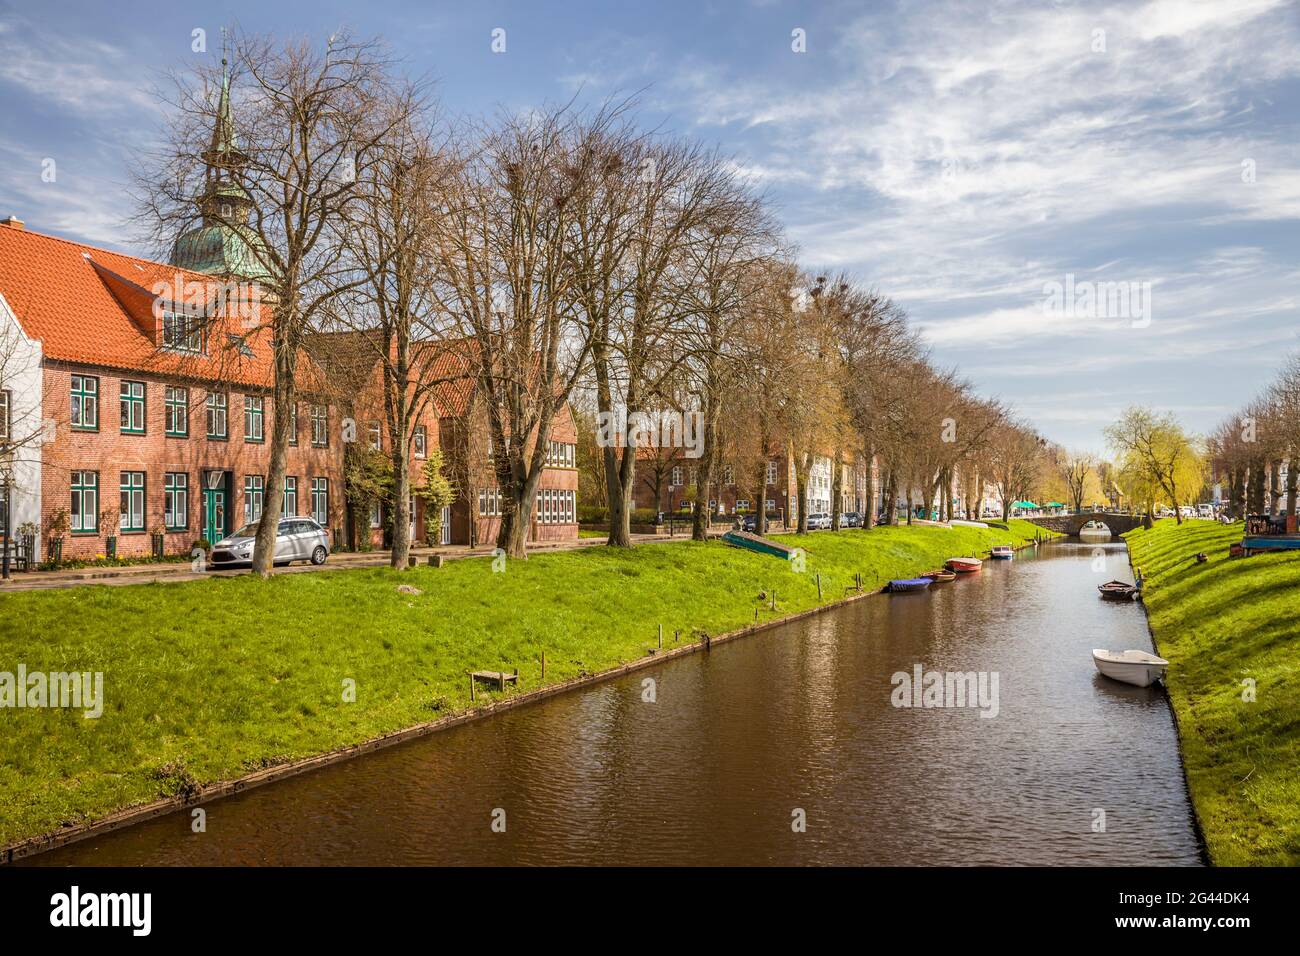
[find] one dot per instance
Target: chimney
(13, 222)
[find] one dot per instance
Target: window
(742, 504)
(376, 515)
(217, 402)
(560, 454)
(771, 472)
(320, 501)
(678, 474)
(556, 506)
(320, 426)
(253, 418)
(289, 504)
(132, 395)
(420, 440)
(182, 333)
(176, 411)
(728, 475)
(85, 501)
(771, 504)
(376, 436)
(132, 512)
(176, 500)
(489, 502)
(85, 403)
(254, 487)
(6, 426)
(293, 424)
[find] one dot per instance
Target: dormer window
(182, 333)
(227, 210)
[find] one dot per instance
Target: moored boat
(1132, 667)
(940, 576)
(1002, 552)
(903, 585)
(964, 565)
(1117, 591)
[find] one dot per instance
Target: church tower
(221, 244)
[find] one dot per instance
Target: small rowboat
(1117, 591)
(1002, 552)
(964, 565)
(903, 585)
(1132, 667)
(940, 576)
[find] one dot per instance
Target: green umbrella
(1055, 504)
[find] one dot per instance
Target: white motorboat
(1132, 667)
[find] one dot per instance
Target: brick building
(134, 418)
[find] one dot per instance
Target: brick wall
(109, 452)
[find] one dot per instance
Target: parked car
(851, 519)
(750, 521)
(1205, 510)
(297, 539)
(820, 521)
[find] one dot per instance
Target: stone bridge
(1070, 524)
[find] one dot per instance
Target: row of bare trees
(558, 252)
(1252, 448)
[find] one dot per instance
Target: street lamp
(6, 483)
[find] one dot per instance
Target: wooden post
(471, 688)
(774, 600)
(543, 665)
(819, 587)
(661, 635)
(677, 636)
(756, 617)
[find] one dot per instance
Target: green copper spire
(221, 245)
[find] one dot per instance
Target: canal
(741, 743)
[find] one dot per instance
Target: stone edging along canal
(121, 819)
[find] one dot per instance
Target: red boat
(964, 565)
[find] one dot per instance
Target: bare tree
(283, 167)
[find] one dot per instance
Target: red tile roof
(95, 307)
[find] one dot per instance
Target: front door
(214, 514)
(445, 535)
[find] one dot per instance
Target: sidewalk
(339, 561)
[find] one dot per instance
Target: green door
(214, 514)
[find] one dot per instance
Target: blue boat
(903, 585)
(1002, 552)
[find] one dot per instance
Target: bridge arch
(1071, 524)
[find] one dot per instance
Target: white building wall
(21, 373)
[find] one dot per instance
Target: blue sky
(960, 157)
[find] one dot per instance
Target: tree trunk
(837, 489)
(869, 514)
(286, 362)
(401, 553)
(1290, 488)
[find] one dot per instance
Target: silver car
(298, 539)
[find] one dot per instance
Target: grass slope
(207, 680)
(1218, 624)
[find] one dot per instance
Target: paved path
(150, 573)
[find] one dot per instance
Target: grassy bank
(207, 680)
(1219, 624)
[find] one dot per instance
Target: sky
(1081, 206)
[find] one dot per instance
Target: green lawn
(1219, 624)
(207, 680)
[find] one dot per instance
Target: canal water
(744, 741)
